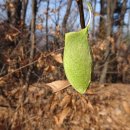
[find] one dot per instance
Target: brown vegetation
(34, 92)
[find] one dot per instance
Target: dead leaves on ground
(58, 85)
(59, 118)
(67, 109)
(57, 57)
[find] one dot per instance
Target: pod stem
(90, 13)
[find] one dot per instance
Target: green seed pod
(77, 59)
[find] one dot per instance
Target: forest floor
(103, 107)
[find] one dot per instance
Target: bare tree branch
(32, 53)
(81, 11)
(24, 8)
(108, 50)
(64, 23)
(47, 9)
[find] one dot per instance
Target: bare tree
(102, 19)
(64, 23)
(128, 26)
(57, 18)
(93, 27)
(13, 11)
(47, 13)
(110, 11)
(32, 51)
(121, 23)
(111, 6)
(23, 12)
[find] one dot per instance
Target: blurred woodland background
(32, 43)
(45, 22)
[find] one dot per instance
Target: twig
(32, 41)
(80, 6)
(22, 99)
(7, 99)
(18, 69)
(7, 106)
(13, 27)
(99, 67)
(108, 50)
(33, 62)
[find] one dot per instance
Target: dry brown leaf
(53, 106)
(90, 92)
(126, 107)
(76, 127)
(58, 85)
(11, 5)
(96, 14)
(59, 118)
(65, 101)
(2, 82)
(8, 37)
(39, 27)
(57, 57)
(15, 34)
(40, 62)
(89, 104)
(50, 68)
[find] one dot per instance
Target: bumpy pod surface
(77, 60)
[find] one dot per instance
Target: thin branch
(32, 39)
(81, 11)
(32, 53)
(24, 9)
(33, 62)
(47, 16)
(64, 23)
(108, 49)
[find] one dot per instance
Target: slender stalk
(32, 53)
(80, 6)
(64, 23)
(47, 9)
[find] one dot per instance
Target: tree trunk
(93, 27)
(57, 30)
(64, 23)
(32, 51)
(13, 11)
(121, 23)
(110, 11)
(102, 29)
(47, 9)
(107, 53)
(23, 13)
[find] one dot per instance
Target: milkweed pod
(77, 59)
